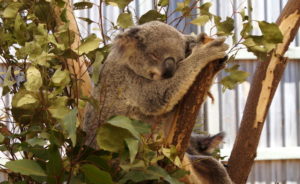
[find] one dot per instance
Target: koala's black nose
(168, 74)
(169, 68)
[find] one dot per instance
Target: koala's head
(152, 50)
(205, 145)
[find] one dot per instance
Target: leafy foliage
(46, 143)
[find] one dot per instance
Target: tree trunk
(265, 81)
(188, 108)
(82, 84)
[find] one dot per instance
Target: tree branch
(265, 81)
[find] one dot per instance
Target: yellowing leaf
(11, 10)
(27, 99)
(34, 79)
(125, 20)
(201, 20)
(60, 78)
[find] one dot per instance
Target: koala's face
(152, 50)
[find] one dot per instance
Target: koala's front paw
(212, 50)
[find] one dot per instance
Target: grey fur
(208, 169)
(137, 81)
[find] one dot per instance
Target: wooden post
(265, 81)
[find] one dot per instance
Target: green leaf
(25, 167)
(163, 3)
(97, 67)
(151, 173)
(107, 139)
(235, 77)
(125, 20)
(133, 146)
(36, 141)
(124, 123)
(89, 44)
(34, 79)
(69, 125)
(95, 175)
(120, 3)
(201, 20)
(1, 137)
(11, 10)
(224, 28)
(89, 21)
(25, 100)
(58, 108)
(61, 78)
(152, 15)
(54, 165)
(82, 5)
(247, 28)
(271, 32)
(204, 9)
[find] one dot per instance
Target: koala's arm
(159, 97)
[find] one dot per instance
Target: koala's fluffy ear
(130, 40)
(192, 41)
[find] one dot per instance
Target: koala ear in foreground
(130, 40)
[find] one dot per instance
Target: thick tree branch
(188, 108)
(265, 81)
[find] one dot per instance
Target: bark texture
(188, 108)
(265, 81)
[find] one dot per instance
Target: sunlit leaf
(204, 9)
(34, 79)
(27, 99)
(11, 10)
(60, 78)
(201, 20)
(36, 141)
(125, 20)
(1, 137)
(120, 3)
(234, 77)
(26, 167)
(89, 44)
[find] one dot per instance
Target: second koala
(149, 69)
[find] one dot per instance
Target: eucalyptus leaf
(34, 79)
(133, 146)
(1, 137)
(204, 9)
(89, 44)
(26, 100)
(11, 10)
(201, 20)
(82, 5)
(96, 176)
(25, 167)
(69, 125)
(163, 3)
(120, 3)
(271, 32)
(125, 20)
(152, 15)
(224, 28)
(97, 66)
(61, 78)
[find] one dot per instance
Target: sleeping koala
(149, 69)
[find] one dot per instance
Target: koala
(203, 167)
(147, 72)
